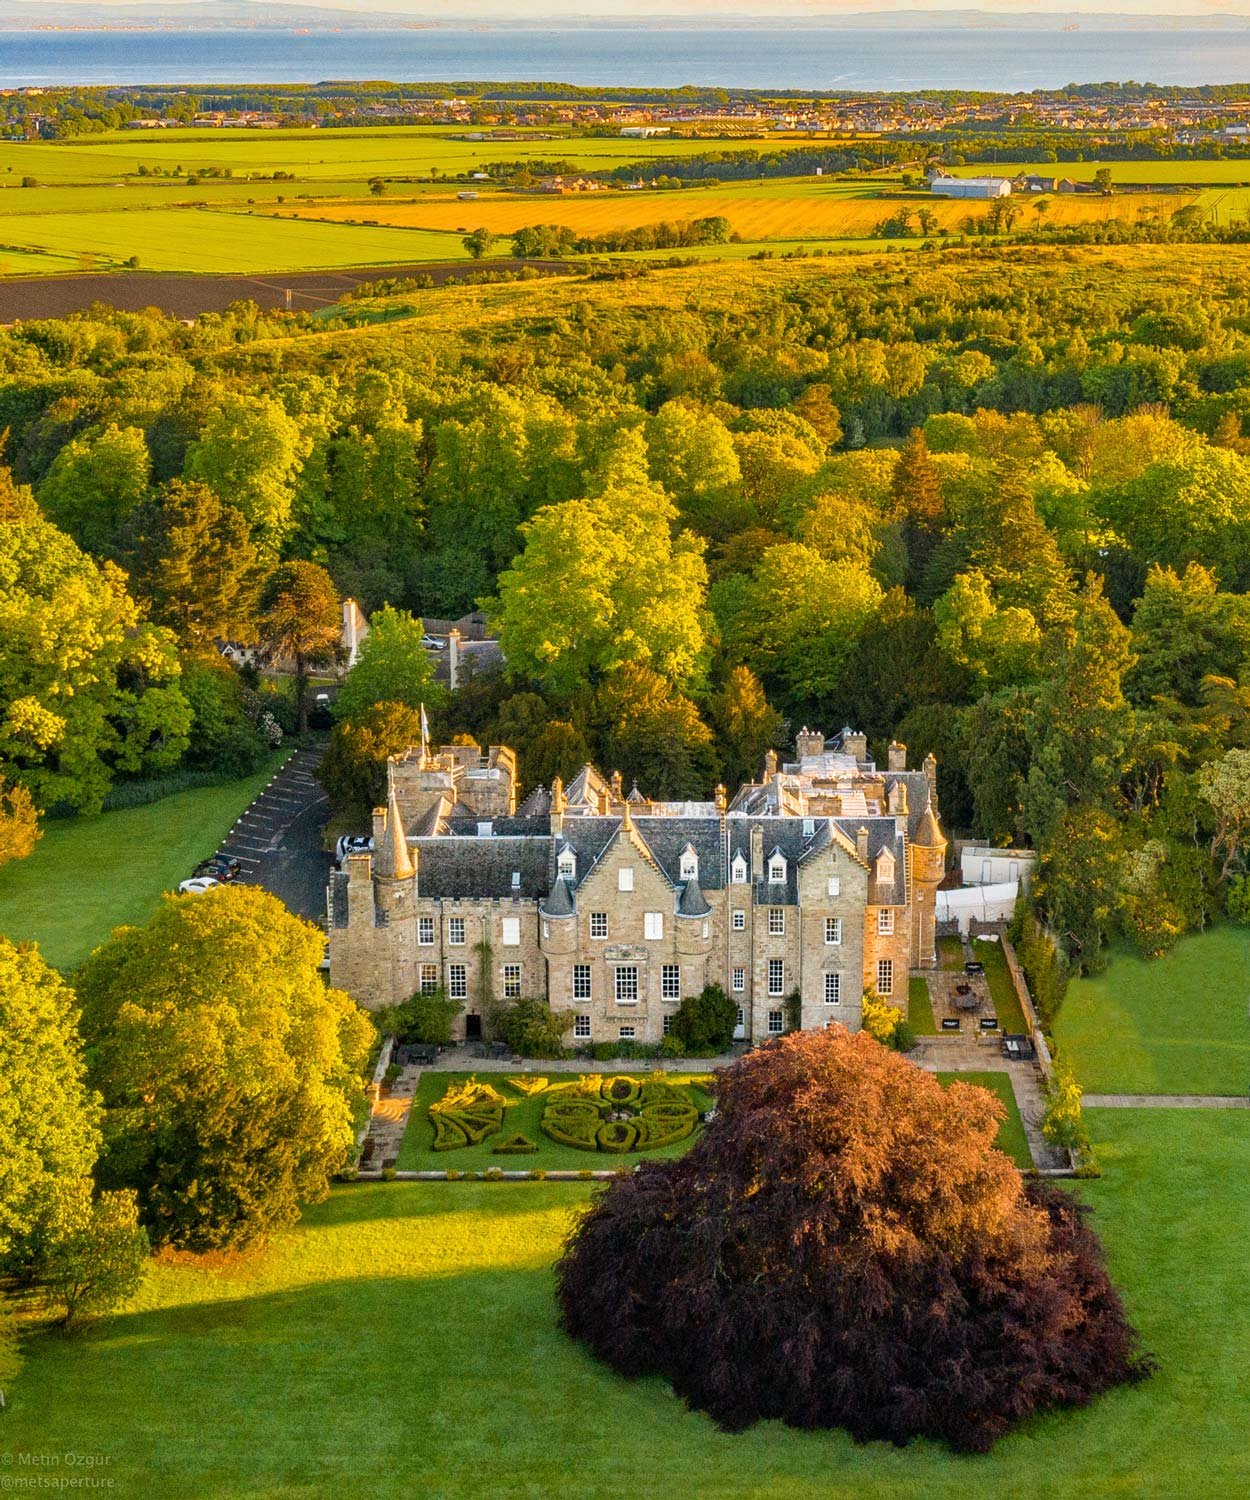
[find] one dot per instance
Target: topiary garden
(619, 1114)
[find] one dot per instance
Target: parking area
(277, 840)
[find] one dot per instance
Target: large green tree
(249, 453)
(392, 666)
(49, 1117)
(96, 482)
(87, 690)
(300, 623)
(230, 1074)
(600, 583)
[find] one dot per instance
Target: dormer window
(739, 870)
(516, 880)
(567, 862)
(776, 869)
(689, 864)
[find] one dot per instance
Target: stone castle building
(815, 884)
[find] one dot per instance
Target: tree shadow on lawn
(462, 1384)
(361, 1202)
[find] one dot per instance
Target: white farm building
(971, 187)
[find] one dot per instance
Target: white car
(197, 886)
(434, 643)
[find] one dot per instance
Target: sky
(468, 11)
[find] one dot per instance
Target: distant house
(642, 132)
(970, 187)
(1032, 183)
(570, 185)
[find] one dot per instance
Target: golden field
(773, 208)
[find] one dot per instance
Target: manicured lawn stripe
(1174, 1025)
(1002, 990)
(405, 1335)
(920, 1008)
(89, 875)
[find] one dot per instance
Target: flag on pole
(425, 734)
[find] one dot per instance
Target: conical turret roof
(391, 857)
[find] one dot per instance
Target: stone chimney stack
(897, 756)
(854, 743)
(617, 786)
(757, 851)
(770, 765)
(721, 799)
(930, 770)
(861, 843)
(809, 742)
(898, 800)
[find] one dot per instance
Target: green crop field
(1174, 1025)
(409, 1329)
(1178, 173)
(170, 239)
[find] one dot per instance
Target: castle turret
(928, 869)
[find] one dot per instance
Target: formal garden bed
(463, 1122)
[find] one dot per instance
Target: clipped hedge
(515, 1145)
(660, 1114)
(466, 1115)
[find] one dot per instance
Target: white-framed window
(581, 1028)
(835, 885)
(512, 981)
(598, 924)
(567, 862)
(457, 981)
(776, 921)
(653, 924)
(626, 1033)
(625, 878)
(776, 869)
(833, 931)
(833, 989)
(885, 921)
(885, 976)
(776, 977)
(738, 870)
(455, 931)
(429, 978)
(516, 880)
(425, 931)
(667, 1024)
(740, 921)
(739, 981)
(670, 982)
(776, 1023)
(511, 932)
(627, 984)
(581, 981)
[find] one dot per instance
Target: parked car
(433, 642)
(197, 885)
(220, 867)
(352, 843)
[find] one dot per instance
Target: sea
(804, 56)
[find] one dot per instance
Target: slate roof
(691, 902)
(667, 837)
(536, 805)
(450, 867)
(560, 901)
(882, 834)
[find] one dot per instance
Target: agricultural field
(758, 211)
(76, 211)
(411, 1326)
(1164, 173)
(1173, 1025)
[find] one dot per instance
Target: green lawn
(522, 1114)
(403, 1337)
(1011, 1137)
(89, 875)
(920, 1008)
(1002, 990)
(950, 953)
(1174, 1025)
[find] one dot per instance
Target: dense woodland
(998, 508)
